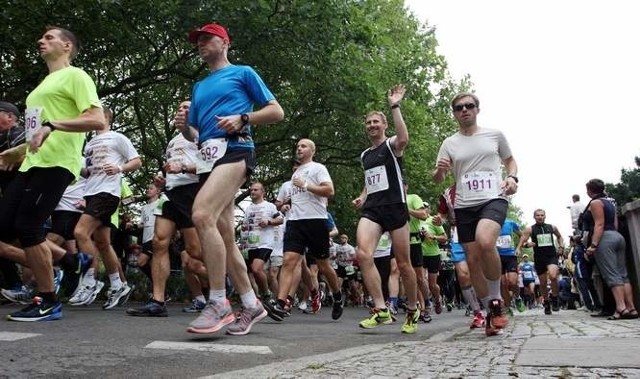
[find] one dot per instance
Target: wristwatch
(245, 119)
(515, 178)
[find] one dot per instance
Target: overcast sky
(559, 78)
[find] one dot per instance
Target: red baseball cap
(212, 28)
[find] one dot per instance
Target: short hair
(576, 197)
(377, 113)
(108, 114)
(460, 95)
(596, 186)
(67, 36)
(539, 210)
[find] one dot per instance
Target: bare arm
(509, 184)
(400, 140)
(524, 237)
(91, 119)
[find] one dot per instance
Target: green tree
(328, 63)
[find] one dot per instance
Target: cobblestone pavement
(565, 344)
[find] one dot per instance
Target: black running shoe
(338, 306)
(150, 309)
(278, 311)
(547, 307)
(555, 304)
(269, 306)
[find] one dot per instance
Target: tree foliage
(628, 189)
(328, 63)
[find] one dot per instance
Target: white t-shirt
(576, 208)
(278, 239)
(476, 162)
(345, 254)
(304, 204)
(260, 237)
(285, 193)
(148, 220)
(184, 152)
(110, 147)
(71, 196)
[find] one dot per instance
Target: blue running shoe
(20, 294)
(84, 263)
(57, 280)
(38, 311)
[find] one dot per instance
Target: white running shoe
(115, 295)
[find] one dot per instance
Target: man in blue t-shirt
(509, 261)
(220, 119)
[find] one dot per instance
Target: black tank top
(383, 176)
(543, 235)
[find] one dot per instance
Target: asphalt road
(91, 342)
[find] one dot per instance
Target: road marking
(209, 347)
(12, 336)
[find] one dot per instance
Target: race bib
(211, 150)
(384, 242)
(480, 185)
(160, 205)
(350, 270)
(32, 121)
(376, 179)
(527, 275)
(253, 239)
(504, 242)
(545, 240)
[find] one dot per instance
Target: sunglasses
(460, 107)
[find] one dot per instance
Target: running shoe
(86, 294)
(438, 307)
(520, 305)
(498, 318)
(20, 294)
(509, 312)
(410, 325)
(491, 330)
(378, 317)
(150, 309)
(38, 311)
(247, 318)
(287, 307)
(84, 264)
(114, 296)
(449, 307)
(213, 317)
(302, 306)
(316, 302)
(123, 300)
(338, 306)
(547, 307)
(279, 310)
(555, 304)
(478, 321)
(57, 280)
(392, 309)
(269, 305)
(195, 307)
(425, 316)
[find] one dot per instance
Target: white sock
(115, 281)
(249, 299)
(217, 295)
(89, 278)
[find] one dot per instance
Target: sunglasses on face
(460, 107)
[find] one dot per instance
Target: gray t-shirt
(476, 164)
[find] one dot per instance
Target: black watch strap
(245, 119)
(515, 178)
(50, 125)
